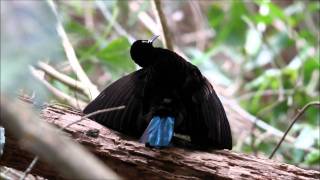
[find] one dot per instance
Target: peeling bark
(132, 160)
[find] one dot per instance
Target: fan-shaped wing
(209, 126)
(125, 91)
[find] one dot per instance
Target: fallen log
(132, 160)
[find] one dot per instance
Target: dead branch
(163, 24)
(67, 80)
(134, 161)
(56, 92)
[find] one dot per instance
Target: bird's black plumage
(167, 85)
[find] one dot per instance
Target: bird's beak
(153, 38)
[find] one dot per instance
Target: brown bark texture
(132, 160)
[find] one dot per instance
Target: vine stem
(296, 117)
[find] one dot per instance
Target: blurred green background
(262, 54)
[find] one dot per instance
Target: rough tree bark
(132, 160)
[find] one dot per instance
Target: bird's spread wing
(208, 124)
(125, 91)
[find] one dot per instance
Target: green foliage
(229, 26)
(116, 55)
(313, 158)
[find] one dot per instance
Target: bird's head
(142, 52)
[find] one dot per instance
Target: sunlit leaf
(75, 27)
(291, 76)
(309, 66)
(253, 41)
(275, 11)
(258, 18)
(264, 57)
(313, 158)
(307, 35)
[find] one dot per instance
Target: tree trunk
(132, 160)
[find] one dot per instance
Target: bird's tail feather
(159, 132)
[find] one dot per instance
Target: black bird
(168, 95)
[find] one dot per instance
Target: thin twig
(94, 113)
(296, 117)
(163, 24)
(56, 92)
(27, 171)
(64, 78)
(71, 55)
